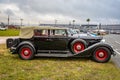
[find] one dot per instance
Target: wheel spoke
(101, 54)
(78, 46)
(26, 53)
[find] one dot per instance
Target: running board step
(53, 55)
(53, 51)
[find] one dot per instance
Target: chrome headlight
(103, 40)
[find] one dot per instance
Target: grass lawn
(13, 68)
(9, 32)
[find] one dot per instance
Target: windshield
(71, 31)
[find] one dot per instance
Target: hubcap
(78, 47)
(26, 52)
(101, 54)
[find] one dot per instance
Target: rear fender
(26, 43)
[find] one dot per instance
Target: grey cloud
(9, 12)
(72, 8)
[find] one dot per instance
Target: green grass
(13, 68)
(9, 32)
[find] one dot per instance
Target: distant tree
(73, 23)
(88, 20)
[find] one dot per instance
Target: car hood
(91, 37)
(85, 36)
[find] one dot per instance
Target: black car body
(58, 42)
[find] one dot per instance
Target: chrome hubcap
(78, 47)
(101, 54)
(26, 52)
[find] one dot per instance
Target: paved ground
(114, 41)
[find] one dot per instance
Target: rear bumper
(13, 50)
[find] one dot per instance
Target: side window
(58, 32)
(40, 32)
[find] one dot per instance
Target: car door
(58, 39)
(41, 39)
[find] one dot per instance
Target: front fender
(89, 51)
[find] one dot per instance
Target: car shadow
(56, 58)
(63, 58)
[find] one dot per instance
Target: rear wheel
(77, 46)
(26, 52)
(102, 55)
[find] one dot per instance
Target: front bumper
(114, 53)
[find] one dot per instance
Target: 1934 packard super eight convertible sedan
(58, 42)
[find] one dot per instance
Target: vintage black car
(58, 42)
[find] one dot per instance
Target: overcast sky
(64, 11)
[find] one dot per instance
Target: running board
(53, 51)
(54, 55)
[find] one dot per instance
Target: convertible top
(28, 32)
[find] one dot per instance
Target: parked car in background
(58, 42)
(3, 28)
(100, 32)
(77, 33)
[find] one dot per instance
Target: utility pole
(69, 23)
(21, 21)
(8, 20)
(55, 22)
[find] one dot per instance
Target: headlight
(103, 40)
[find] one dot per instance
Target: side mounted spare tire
(78, 45)
(101, 55)
(26, 52)
(9, 42)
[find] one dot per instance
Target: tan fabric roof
(28, 32)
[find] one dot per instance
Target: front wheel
(101, 55)
(77, 46)
(26, 52)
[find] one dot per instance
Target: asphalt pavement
(114, 41)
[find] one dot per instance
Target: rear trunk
(10, 42)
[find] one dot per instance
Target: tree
(73, 23)
(88, 20)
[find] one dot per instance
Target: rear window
(41, 32)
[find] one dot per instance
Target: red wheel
(78, 46)
(26, 52)
(102, 54)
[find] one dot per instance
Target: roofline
(41, 27)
